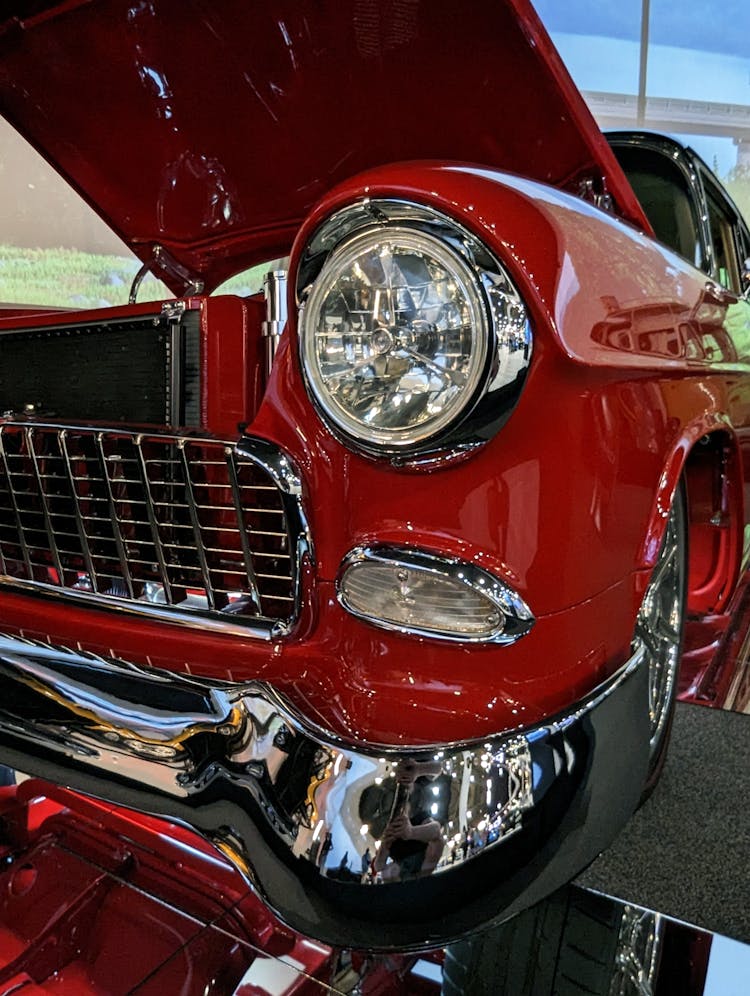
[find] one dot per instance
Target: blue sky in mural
(699, 50)
(708, 25)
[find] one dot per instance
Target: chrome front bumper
(355, 845)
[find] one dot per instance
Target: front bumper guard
(377, 848)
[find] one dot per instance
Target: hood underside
(210, 129)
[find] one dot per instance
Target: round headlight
(395, 336)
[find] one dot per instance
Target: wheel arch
(707, 459)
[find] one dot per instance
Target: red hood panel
(211, 128)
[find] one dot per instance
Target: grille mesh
(166, 520)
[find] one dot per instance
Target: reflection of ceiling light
(434, 809)
(364, 829)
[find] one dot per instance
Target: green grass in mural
(68, 278)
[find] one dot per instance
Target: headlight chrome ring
(407, 322)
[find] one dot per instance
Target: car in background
(378, 580)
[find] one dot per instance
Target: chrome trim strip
(16, 510)
(83, 538)
(150, 515)
(197, 619)
(263, 454)
(43, 497)
(245, 543)
(200, 547)
(284, 474)
(517, 618)
(116, 531)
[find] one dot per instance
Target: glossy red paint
(568, 510)
(567, 503)
(368, 685)
(631, 413)
(223, 173)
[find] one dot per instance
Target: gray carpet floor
(686, 852)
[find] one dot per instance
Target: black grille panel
(140, 370)
(176, 522)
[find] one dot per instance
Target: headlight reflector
(395, 336)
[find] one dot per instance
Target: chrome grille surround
(181, 527)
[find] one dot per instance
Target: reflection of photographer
(411, 838)
(414, 849)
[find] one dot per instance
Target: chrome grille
(180, 523)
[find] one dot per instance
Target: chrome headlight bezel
(502, 336)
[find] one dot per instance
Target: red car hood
(211, 128)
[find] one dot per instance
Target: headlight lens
(395, 336)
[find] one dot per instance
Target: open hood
(210, 128)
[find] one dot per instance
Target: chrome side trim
(240, 765)
(516, 617)
(284, 474)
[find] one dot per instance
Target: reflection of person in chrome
(411, 838)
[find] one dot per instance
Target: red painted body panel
(567, 503)
(222, 174)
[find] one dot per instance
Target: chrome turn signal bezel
(516, 618)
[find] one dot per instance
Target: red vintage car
(377, 581)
